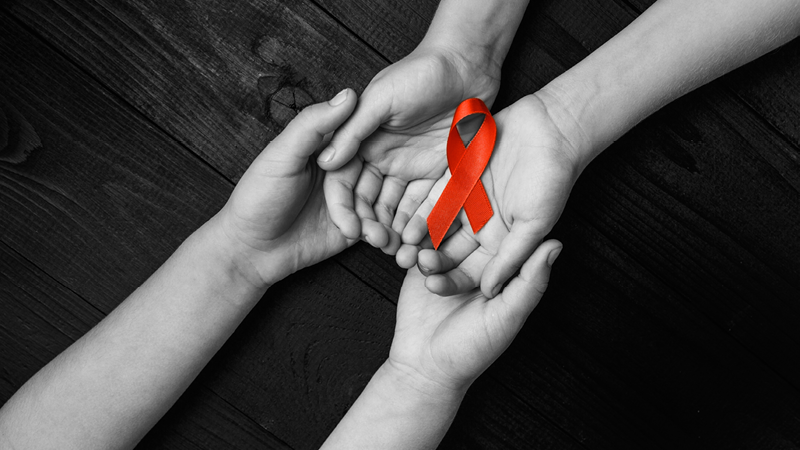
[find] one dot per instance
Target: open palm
(528, 180)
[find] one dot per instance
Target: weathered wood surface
(671, 317)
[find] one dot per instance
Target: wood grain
(221, 77)
(670, 318)
(98, 208)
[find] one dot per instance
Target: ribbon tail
(478, 207)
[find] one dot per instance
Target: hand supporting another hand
(401, 125)
(276, 221)
(450, 341)
(440, 346)
(528, 180)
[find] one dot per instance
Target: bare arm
(671, 49)
(547, 138)
(112, 385)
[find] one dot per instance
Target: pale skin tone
(112, 385)
(403, 117)
(551, 135)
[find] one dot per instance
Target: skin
(112, 385)
(391, 151)
(441, 345)
(535, 160)
(556, 132)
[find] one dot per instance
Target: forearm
(476, 27)
(111, 386)
(672, 48)
(396, 411)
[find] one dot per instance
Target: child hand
(401, 125)
(450, 341)
(276, 221)
(528, 180)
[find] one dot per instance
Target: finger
(523, 293)
(451, 253)
(366, 191)
(394, 242)
(338, 188)
(417, 227)
(514, 250)
(388, 199)
(373, 109)
(407, 253)
(416, 192)
(463, 278)
(300, 139)
(375, 234)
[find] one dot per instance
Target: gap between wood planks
(135, 111)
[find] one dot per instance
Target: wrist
(571, 112)
(480, 31)
(234, 255)
(400, 383)
(577, 145)
(411, 383)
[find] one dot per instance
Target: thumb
(304, 134)
(514, 250)
(524, 292)
(372, 110)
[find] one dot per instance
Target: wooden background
(672, 318)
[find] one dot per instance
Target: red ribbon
(466, 166)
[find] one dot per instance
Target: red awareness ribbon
(466, 166)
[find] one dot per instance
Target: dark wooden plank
(222, 77)
(658, 356)
(492, 418)
(719, 164)
(203, 420)
(304, 354)
(103, 202)
(389, 27)
(107, 196)
(670, 386)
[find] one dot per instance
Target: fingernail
(326, 155)
(551, 258)
(422, 268)
(496, 290)
(339, 99)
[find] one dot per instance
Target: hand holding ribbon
(527, 181)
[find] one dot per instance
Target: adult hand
(449, 341)
(276, 221)
(398, 135)
(528, 180)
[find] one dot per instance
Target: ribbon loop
(466, 166)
